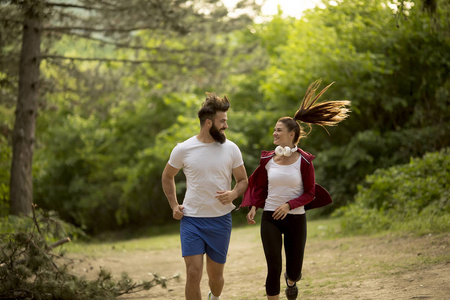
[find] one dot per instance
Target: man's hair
(211, 106)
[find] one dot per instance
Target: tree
(117, 25)
(21, 187)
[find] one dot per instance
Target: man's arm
(169, 188)
(240, 176)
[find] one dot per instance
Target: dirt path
(346, 268)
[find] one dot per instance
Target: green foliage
(413, 197)
(5, 158)
(105, 172)
(49, 222)
(106, 94)
(394, 76)
(9, 59)
(371, 150)
(105, 129)
(7, 89)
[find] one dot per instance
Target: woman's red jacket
(313, 196)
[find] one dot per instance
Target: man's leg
(194, 270)
(215, 276)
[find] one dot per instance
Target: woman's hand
(281, 212)
(251, 216)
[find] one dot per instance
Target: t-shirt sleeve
(237, 157)
(176, 157)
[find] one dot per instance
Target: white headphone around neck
(286, 151)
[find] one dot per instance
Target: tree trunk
(21, 185)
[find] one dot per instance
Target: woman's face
(281, 136)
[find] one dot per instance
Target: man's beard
(217, 135)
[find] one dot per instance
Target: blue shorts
(206, 235)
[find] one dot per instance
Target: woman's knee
(294, 276)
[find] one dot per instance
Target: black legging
(294, 229)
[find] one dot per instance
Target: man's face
(219, 126)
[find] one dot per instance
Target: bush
(49, 222)
(30, 270)
(410, 197)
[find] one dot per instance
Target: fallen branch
(59, 243)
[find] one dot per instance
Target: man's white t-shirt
(208, 168)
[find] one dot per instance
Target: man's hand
(177, 212)
(226, 197)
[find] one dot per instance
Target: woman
(284, 186)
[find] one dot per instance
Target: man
(208, 161)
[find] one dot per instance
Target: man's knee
(214, 269)
(194, 273)
(216, 277)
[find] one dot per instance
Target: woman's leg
(272, 243)
(294, 245)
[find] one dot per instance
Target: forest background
(119, 83)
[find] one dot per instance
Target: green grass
(156, 242)
(165, 237)
(324, 228)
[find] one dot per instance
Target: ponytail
(328, 113)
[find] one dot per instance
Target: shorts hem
(192, 254)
